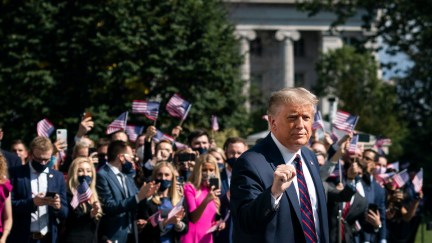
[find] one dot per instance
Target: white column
(245, 36)
(288, 37)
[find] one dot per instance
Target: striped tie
(305, 204)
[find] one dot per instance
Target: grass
(423, 235)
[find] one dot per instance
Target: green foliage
(59, 58)
(352, 77)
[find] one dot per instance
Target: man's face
(20, 151)
(165, 150)
(292, 125)
(200, 142)
(140, 141)
(367, 162)
(234, 150)
(42, 157)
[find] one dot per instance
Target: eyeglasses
(368, 158)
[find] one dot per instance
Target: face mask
(38, 166)
(185, 174)
(231, 161)
(206, 177)
(379, 170)
(164, 184)
(200, 150)
(87, 179)
(128, 169)
(221, 166)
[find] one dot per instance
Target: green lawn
(427, 235)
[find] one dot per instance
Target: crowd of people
(289, 187)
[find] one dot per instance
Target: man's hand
(373, 218)
(175, 132)
(59, 146)
(54, 202)
(353, 171)
(85, 126)
(283, 176)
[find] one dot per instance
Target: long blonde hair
(73, 180)
(196, 177)
(3, 169)
(172, 191)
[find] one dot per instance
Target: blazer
(119, 209)
(12, 160)
(22, 203)
(254, 218)
(375, 194)
(224, 182)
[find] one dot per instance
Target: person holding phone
(184, 160)
(202, 200)
(83, 217)
(5, 201)
(37, 216)
(164, 200)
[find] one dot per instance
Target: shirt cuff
(136, 198)
(275, 201)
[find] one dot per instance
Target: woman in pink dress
(202, 200)
(5, 201)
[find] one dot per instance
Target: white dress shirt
(39, 184)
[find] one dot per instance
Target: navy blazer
(224, 182)
(254, 218)
(22, 203)
(119, 209)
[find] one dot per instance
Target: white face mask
(379, 170)
(206, 176)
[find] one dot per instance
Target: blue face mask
(128, 169)
(221, 166)
(164, 184)
(88, 179)
(231, 161)
(200, 150)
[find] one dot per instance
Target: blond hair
(172, 191)
(3, 169)
(196, 177)
(73, 182)
(297, 96)
(41, 143)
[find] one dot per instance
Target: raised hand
(283, 176)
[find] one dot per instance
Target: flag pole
(126, 117)
(185, 115)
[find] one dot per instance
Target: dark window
(299, 48)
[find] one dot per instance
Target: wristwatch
(377, 229)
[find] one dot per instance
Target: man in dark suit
(276, 191)
(119, 196)
(38, 197)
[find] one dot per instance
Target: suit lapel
(113, 179)
(274, 157)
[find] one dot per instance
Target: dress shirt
(123, 184)
(39, 184)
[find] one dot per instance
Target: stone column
(288, 37)
(245, 36)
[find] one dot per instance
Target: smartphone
(91, 151)
(373, 207)
(62, 134)
(214, 181)
(50, 194)
(185, 157)
(86, 114)
(180, 179)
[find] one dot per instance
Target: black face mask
(128, 169)
(38, 166)
(164, 184)
(231, 161)
(200, 150)
(87, 179)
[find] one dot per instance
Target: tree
(352, 77)
(59, 58)
(404, 26)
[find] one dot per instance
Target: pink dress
(197, 231)
(5, 190)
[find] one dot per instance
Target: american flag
(149, 108)
(418, 181)
(400, 179)
(336, 173)
(214, 123)
(118, 124)
(133, 132)
(162, 136)
(394, 165)
(345, 121)
(180, 145)
(178, 107)
(353, 144)
(155, 218)
(83, 194)
(318, 121)
(383, 178)
(44, 128)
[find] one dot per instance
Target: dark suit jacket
(375, 194)
(12, 160)
(253, 215)
(224, 182)
(22, 203)
(119, 209)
